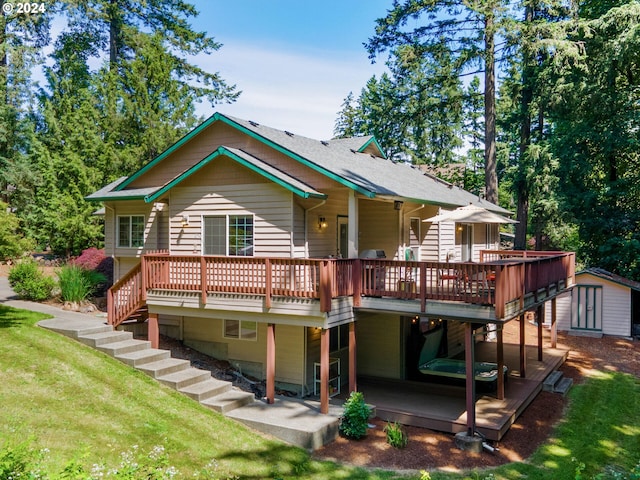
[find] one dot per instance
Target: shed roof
(612, 277)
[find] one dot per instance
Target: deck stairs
(176, 373)
(556, 382)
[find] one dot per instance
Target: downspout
(306, 232)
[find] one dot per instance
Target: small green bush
(28, 281)
(77, 283)
(355, 417)
(395, 435)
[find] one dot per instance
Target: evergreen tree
(467, 32)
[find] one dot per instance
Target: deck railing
(506, 277)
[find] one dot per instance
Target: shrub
(355, 417)
(395, 435)
(28, 281)
(96, 260)
(77, 283)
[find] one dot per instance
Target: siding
(322, 243)
(563, 312)
(206, 334)
(616, 306)
(152, 218)
(221, 134)
(270, 204)
(379, 228)
(379, 345)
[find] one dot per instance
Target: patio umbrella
(470, 214)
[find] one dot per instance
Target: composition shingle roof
(340, 159)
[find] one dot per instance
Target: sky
(295, 61)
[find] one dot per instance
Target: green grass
(81, 404)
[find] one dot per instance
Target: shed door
(586, 308)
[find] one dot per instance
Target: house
(601, 303)
(279, 253)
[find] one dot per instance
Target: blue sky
(294, 60)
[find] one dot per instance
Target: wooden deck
(442, 407)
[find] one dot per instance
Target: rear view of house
(280, 253)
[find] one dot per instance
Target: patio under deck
(443, 407)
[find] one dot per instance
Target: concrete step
(74, 329)
(126, 346)
(229, 401)
(141, 357)
(551, 381)
(207, 389)
(101, 338)
(563, 386)
(295, 421)
(164, 367)
(184, 378)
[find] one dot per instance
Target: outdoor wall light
(322, 223)
(397, 205)
(185, 221)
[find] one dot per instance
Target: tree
(594, 110)
(467, 32)
(22, 39)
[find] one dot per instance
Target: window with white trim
(130, 231)
(228, 235)
(240, 330)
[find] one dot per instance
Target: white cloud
(299, 92)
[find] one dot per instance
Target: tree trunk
(522, 186)
(115, 31)
(491, 175)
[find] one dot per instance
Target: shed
(601, 303)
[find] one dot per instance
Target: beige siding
(298, 234)
(122, 265)
(270, 204)
(206, 334)
(209, 140)
(324, 242)
(134, 207)
(379, 228)
(379, 345)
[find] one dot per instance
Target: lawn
(82, 405)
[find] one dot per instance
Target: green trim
(115, 199)
(169, 150)
(226, 152)
(375, 142)
(218, 116)
(295, 156)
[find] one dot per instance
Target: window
(228, 235)
(130, 231)
(241, 329)
(339, 337)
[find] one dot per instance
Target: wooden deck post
(203, 280)
(540, 319)
(500, 358)
(324, 371)
(268, 280)
(326, 285)
(353, 386)
(153, 331)
(469, 358)
(554, 325)
(143, 278)
(523, 347)
(357, 282)
(271, 362)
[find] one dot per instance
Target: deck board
(442, 407)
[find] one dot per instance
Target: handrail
(125, 296)
(506, 279)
